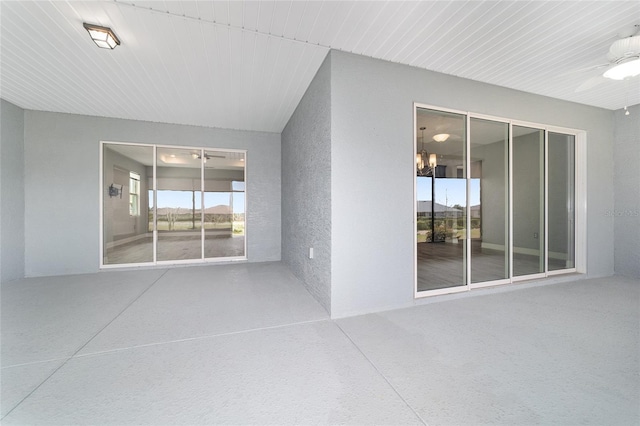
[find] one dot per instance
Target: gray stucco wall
(626, 211)
(11, 191)
(62, 185)
(306, 188)
(372, 168)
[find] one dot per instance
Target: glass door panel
(224, 204)
(441, 199)
(179, 204)
(561, 199)
(528, 201)
(489, 199)
(127, 179)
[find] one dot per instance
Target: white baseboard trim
(523, 250)
(127, 240)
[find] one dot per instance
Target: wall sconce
(103, 37)
(114, 191)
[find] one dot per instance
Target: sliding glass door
(127, 204)
(561, 200)
(177, 205)
(528, 201)
(224, 203)
(495, 201)
(441, 204)
(179, 201)
(489, 193)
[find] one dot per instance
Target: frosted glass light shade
(103, 37)
(433, 160)
(624, 70)
(441, 137)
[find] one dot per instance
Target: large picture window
(495, 201)
(169, 204)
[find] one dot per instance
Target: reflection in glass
(127, 176)
(528, 201)
(489, 198)
(179, 204)
(441, 199)
(561, 211)
(224, 204)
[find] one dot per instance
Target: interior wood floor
(175, 248)
(441, 265)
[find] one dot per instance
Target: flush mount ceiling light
(102, 36)
(441, 137)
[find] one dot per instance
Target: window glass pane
(561, 199)
(224, 204)
(489, 193)
(126, 236)
(179, 204)
(528, 201)
(441, 199)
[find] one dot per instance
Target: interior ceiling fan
(183, 157)
(623, 57)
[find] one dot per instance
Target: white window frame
(134, 191)
(154, 190)
(579, 193)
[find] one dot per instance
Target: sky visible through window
(184, 199)
(449, 192)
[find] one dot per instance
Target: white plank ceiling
(245, 65)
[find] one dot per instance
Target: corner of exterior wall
(372, 172)
(306, 188)
(11, 191)
(626, 211)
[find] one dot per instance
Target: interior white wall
(527, 196)
(11, 191)
(558, 159)
(372, 171)
(62, 185)
(626, 211)
(306, 188)
(117, 221)
(493, 193)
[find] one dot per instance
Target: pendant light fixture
(425, 162)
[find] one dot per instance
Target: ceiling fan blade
(590, 83)
(591, 69)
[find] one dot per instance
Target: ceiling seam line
(235, 27)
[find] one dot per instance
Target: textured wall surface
(372, 171)
(626, 209)
(62, 185)
(11, 191)
(306, 188)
